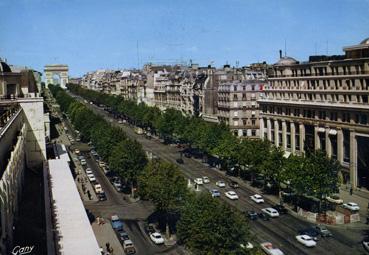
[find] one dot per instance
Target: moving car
(257, 198)
(351, 206)
(306, 240)
(231, 195)
(156, 238)
(233, 184)
(323, 231)
(220, 184)
(205, 179)
(128, 247)
(268, 248)
(281, 209)
(198, 181)
(264, 216)
(271, 212)
(312, 232)
(252, 215)
(116, 223)
(215, 193)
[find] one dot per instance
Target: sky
(114, 34)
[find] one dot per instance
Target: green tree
(208, 226)
(164, 184)
(128, 160)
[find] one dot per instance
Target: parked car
(215, 193)
(198, 181)
(156, 238)
(264, 216)
(335, 199)
(76, 151)
(271, 212)
(252, 215)
(312, 232)
(205, 179)
(123, 236)
(268, 248)
(233, 184)
(220, 184)
(351, 206)
(150, 228)
(101, 196)
(83, 162)
(281, 209)
(91, 177)
(98, 189)
(231, 195)
(306, 240)
(257, 198)
(89, 171)
(116, 223)
(323, 231)
(128, 247)
(101, 163)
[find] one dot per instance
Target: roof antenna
(326, 47)
(285, 48)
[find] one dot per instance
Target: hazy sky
(96, 34)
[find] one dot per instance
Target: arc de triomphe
(60, 70)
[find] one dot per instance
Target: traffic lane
(111, 193)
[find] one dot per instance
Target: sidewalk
(358, 196)
(105, 234)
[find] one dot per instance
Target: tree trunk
(167, 232)
(132, 190)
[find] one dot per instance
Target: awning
(333, 132)
(321, 129)
(253, 112)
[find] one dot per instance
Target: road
(280, 231)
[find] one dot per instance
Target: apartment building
(321, 104)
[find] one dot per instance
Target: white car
(205, 179)
(257, 198)
(268, 248)
(198, 181)
(271, 212)
(91, 177)
(220, 184)
(306, 240)
(247, 246)
(231, 195)
(335, 199)
(83, 162)
(156, 238)
(98, 188)
(89, 171)
(351, 206)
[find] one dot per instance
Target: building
(322, 104)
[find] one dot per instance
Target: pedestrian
(351, 191)
(89, 194)
(107, 246)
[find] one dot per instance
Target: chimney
(280, 53)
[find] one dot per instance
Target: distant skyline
(88, 34)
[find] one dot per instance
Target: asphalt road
(280, 231)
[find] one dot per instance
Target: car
(215, 193)
(116, 223)
(312, 232)
(101, 196)
(98, 188)
(271, 212)
(366, 244)
(179, 161)
(264, 216)
(233, 184)
(198, 181)
(81, 157)
(76, 151)
(91, 177)
(247, 246)
(128, 247)
(231, 195)
(123, 236)
(351, 206)
(150, 228)
(89, 171)
(94, 153)
(117, 184)
(268, 248)
(306, 240)
(281, 209)
(101, 163)
(83, 162)
(156, 238)
(323, 231)
(335, 199)
(205, 179)
(252, 215)
(220, 184)
(257, 198)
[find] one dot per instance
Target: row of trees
(312, 174)
(204, 224)
(125, 156)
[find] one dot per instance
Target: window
(235, 97)
(235, 114)
(234, 87)
(253, 132)
(235, 123)
(253, 122)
